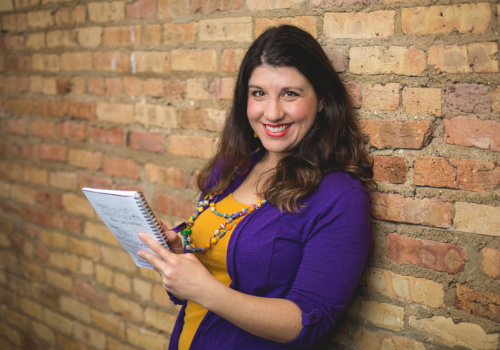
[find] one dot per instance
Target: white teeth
(278, 129)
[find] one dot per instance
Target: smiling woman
(282, 229)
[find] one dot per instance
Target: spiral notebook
(127, 213)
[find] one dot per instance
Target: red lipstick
(276, 134)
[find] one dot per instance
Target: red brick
(151, 34)
(429, 254)
(81, 110)
(392, 134)
(68, 343)
(389, 169)
(191, 146)
(16, 244)
(26, 230)
(87, 292)
(18, 63)
(336, 55)
(53, 153)
(173, 177)
(49, 200)
(14, 126)
(51, 108)
(174, 88)
(14, 43)
(11, 171)
(132, 85)
(96, 86)
(495, 97)
(37, 216)
(113, 61)
(141, 9)
(122, 36)
(72, 131)
(491, 262)
(121, 167)
(112, 137)
(63, 86)
(85, 180)
(20, 106)
(146, 141)
(231, 60)
(10, 209)
(114, 86)
(66, 223)
(174, 33)
(172, 205)
(43, 128)
(468, 98)
(427, 212)
(464, 174)
(482, 304)
(173, 8)
(193, 181)
(464, 131)
(2, 147)
(354, 94)
(154, 87)
(76, 61)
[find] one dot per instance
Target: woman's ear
(320, 105)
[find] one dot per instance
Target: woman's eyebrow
(254, 87)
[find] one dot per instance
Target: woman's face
(282, 107)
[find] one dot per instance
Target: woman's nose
(274, 110)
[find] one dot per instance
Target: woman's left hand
(183, 274)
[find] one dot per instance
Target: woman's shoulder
(337, 182)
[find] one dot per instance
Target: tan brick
(196, 89)
(491, 262)
(85, 159)
(16, 319)
(369, 340)
(117, 258)
(173, 177)
(85, 248)
(113, 61)
(78, 205)
(151, 34)
(44, 332)
(222, 89)
(106, 11)
(104, 275)
(173, 8)
(31, 308)
(121, 167)
(20, 106)
(443, 331)
(206, 118)
(194, 60)
(150, 61)
(69, 343)
(23, 194)
(114, 86)
(58, 280)
(109, 323)
(474, 57)
(122, 282)
(88, 293)
(464, 18)
(416, 100)
(381, 98)
(256, 5)
(174, 33)
(45, 62)
(40, 19)
(482, 304)
(392, 134)
(159, 320)
(126, 308)
(86, 267)
(54, 239)
(76, 61)
(381, 315)
(377, 24)
(14, 22)
(61, 38)
(35, 175)
(153, 115)
(154, 87)
(63, 180)
(115, 113)
(6, 6)
(406, 288)
(90, 336)
(231, 59)
(143, 338)
(32, 270)
(394, 59)
(58, 322)
(427, 212)
(476, 218)
(122, 36)
(64, 261)
(142, 288)
(307, 23)
(90, 37)
(191, 146)
(226, 29)
(100, 232)
(75, 308)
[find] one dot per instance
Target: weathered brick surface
(120, 167)
(172, 205)
(308, 23)
(392, 60)
(380, 314)
(474, 57)
(394, 207)
(226, 29)
(464, 131)
(478, 303)
(374, 340)
(422, 100)
(389, 169)
(381, 98)
(376, 24)
(477, 218)
(392, 134)
(468, 98)
(491, 262)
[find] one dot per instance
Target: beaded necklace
(231, 220)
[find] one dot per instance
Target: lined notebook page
(125, 216)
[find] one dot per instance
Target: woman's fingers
(174, 240)
(155, 246)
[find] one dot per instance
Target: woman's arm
(184, 276)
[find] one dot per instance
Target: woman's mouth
(277, 130)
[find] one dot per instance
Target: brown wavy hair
(334, 142)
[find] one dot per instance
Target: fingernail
(140, 235)
(139, 253)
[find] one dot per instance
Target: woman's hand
(183, 274)
(173, 238)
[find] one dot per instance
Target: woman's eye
(258, 93)
(290, 94)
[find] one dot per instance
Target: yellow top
(214, 259)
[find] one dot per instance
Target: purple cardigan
(314, 259)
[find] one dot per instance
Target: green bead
(188, 230)
(184, 232)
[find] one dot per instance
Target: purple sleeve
(331, 266)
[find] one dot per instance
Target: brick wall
(132, 95)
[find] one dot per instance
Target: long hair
(334, 142)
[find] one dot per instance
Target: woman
(293, 242)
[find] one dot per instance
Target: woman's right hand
(174, 240)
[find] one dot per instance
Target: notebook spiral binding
(153, 221)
